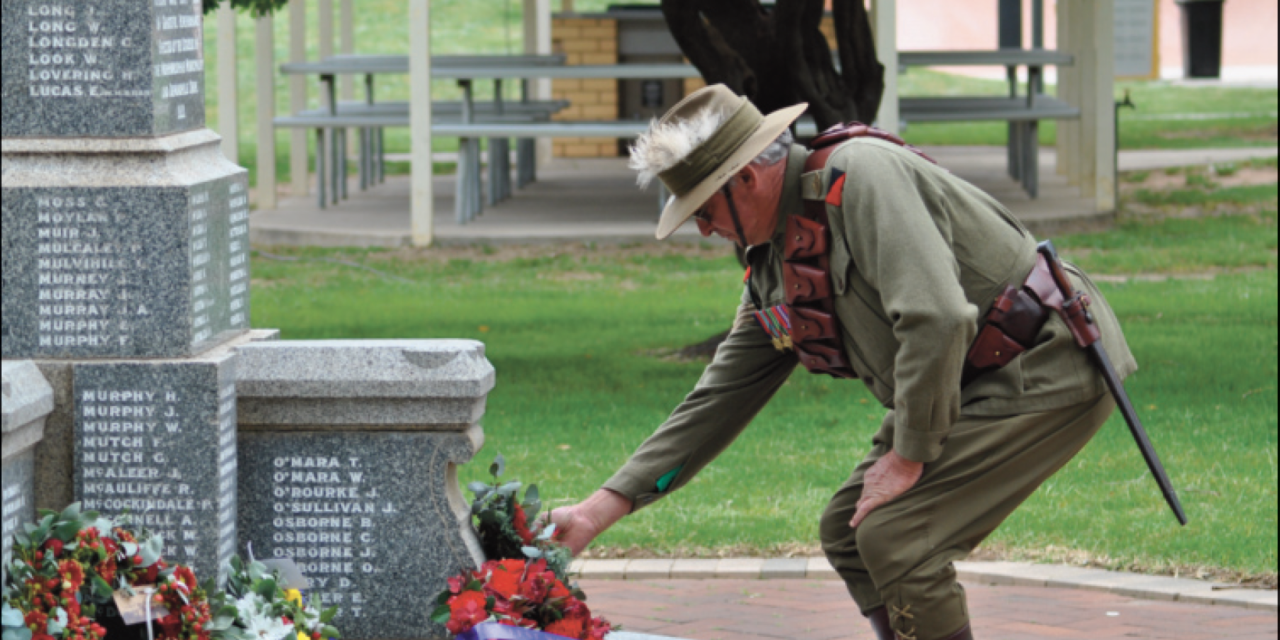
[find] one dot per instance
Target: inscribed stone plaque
(365, 515)
(157, 440)
(102, 68)
(124, 271)
(19, 499)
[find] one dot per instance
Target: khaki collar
(791, 202)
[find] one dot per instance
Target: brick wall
(586, 41)
(595, 41)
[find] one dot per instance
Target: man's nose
(704, 227)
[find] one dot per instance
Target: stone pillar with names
(348, 457)
(125, 264)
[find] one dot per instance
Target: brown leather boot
(884, 630)
(880, 623)
(963, 634)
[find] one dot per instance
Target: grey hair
(777, 151)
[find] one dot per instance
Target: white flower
(250, 606)
(267, 628)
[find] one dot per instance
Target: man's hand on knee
(890, 477)
(578, 525)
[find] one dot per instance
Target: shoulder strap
(806, 269)
(828, 141)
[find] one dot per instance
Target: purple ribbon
(495, 631)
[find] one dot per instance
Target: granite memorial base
(27, 401)
(132, 248)
(151, 438)
(348, 466)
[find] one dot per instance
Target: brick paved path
(822, 610)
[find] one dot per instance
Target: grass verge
(573, 331)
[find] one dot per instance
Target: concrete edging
(1022, 574)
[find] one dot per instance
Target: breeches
(902, 555)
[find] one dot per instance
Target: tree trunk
(777, 58)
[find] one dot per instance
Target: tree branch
(860, 65)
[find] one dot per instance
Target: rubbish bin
(1201, 38)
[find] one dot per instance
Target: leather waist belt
(1014, 321)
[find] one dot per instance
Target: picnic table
(530, 119)
(1023, 113)
(526, 120)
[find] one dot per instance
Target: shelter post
(422, 169)
(885, 21)
(537, 42)
(298, 165)
(266, 59)
(1103, 142)
(228, 88)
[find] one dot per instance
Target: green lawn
(577, 336)
(1236, 117)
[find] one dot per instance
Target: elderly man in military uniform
(868, 261)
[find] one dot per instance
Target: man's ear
(749, 176)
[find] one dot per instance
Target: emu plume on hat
(745, 134)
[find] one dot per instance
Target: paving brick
(753, 609)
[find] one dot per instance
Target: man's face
(755, 193)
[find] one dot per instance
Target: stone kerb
(348, 465)
(27, 401)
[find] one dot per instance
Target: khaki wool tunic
(917, 258)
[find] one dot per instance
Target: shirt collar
(791, 202)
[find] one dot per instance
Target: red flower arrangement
(69, 565)
(525, 585)
(517, 593)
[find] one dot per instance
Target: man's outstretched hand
(890, 477)
(578, 525)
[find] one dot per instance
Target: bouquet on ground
(525, 584)
(255, 606)
(69, 566)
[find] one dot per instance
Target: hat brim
(680, 209)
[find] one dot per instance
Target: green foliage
(253, 7)
(508, 526)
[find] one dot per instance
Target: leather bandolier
(806, 273)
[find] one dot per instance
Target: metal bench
(1023, 113)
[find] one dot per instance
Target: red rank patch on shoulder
(836, 195)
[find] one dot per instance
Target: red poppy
(504, 578)
(569, 628)
(466, 611)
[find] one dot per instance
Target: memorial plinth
(27, 400)
(123, 248)
(126, 264)
(348, 457)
